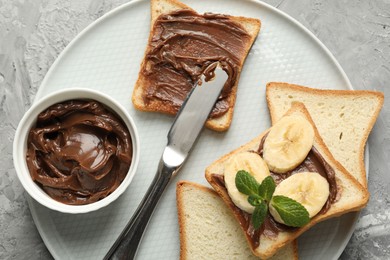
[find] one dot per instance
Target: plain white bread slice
(208, 230)
(344, 118)
(352, 196)
(222, 123)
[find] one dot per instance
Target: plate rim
(120, 8)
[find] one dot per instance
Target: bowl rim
(20, 147)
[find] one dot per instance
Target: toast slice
(351, 195)
(344, 118)
(218, 123)
(208, 229)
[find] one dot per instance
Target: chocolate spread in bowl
(184, 43)
(314, 162)
(78, 152)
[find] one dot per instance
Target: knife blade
(182, 135)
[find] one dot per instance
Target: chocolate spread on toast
(183, 44)
(314, 162)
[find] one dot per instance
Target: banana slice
(308, 188)
(288, 143)
(250, 162)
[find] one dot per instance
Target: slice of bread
(352, 196)
(208, 229)
(222, 123)
(344, 118)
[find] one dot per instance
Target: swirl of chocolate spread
(78, 152)
(184, 43)
(314, 162)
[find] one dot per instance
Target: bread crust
(181, 218)
(221, 123)
(345, 181)
(294, 89)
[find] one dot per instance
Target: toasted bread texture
(222, 123)
(344, 118)
(208, 229)
(352, 196)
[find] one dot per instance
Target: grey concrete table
(34, 32)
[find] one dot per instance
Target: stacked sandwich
(324, 173)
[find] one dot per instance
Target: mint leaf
(291, 212)
(259, 214)
(267, 188)
(255, 200)
(246, 183)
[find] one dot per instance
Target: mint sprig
(259, 214)
(260, 195)
(267, 188)
(290, 211)
(246, 183)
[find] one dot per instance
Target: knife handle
(125, 247)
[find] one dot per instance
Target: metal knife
(181, 137)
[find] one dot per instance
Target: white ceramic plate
(106, 57)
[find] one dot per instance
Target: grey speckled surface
(34, 32)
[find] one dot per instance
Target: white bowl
(20, 148)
